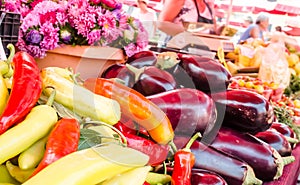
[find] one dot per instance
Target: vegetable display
(112, 130)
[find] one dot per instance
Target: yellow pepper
(31, 157)
(37, 124)
(89, 166)
(79, 99)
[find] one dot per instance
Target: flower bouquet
(46, 25)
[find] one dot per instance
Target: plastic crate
(9, 29)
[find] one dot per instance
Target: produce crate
(9, 28)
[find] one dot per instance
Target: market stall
(121, 112)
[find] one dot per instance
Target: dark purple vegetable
(205, 177)
(141, 59)
(245, 111)
(233, 170)
(189, 110)
(151, 80)
(207, 74)
(277, 141)
(283, 129)
(121, 72)
(265, 161)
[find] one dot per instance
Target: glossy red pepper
(126, 125)
(184, 161)
(135, 106)
(157, 153)
(25, 91)
(62, 140)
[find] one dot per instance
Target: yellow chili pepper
(37, 124)
(90, 166)
(79, 99)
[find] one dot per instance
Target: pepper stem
(173, 147)
(287, 160)
(51, 97)
(137, 72)
(123, 138)
(8, 61)
(192, 140)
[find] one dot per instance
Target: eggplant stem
(137, 72)
(291, 140)
(250, 177)
(287, 160)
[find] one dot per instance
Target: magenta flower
(47, 24)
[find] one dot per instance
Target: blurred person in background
(146, 15)
(247, 21)
(175, 12)
(256, 31)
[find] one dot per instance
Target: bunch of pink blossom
(39, 30)
(49, 24)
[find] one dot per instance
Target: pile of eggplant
(241, 141)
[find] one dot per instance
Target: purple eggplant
(283, 129)
(189, 110)
(142, 59)
(207, 74)
(205, 177)
(265, 161)
(192, 71)
(151, 80)
(233, 170)
(277, 141)
(121, 72)
(243, 110)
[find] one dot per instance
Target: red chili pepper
(157, 153)
(146, 183)
(184, 161)
(135, 106)
(127, 125)
(25, 91)
(63, 140)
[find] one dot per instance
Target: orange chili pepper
(136, 107)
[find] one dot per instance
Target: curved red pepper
(63, 140)
(136, 107)
(184, 161)
(157, 153)
(25, 91)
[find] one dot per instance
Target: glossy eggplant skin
(283, 129)
(142, 58)
(277, 141)
(154, 80)
(121, 72)
(189, 110)
(243, 110)
(205, 177)
(232, 169)
(207, 74)
(258, 154)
